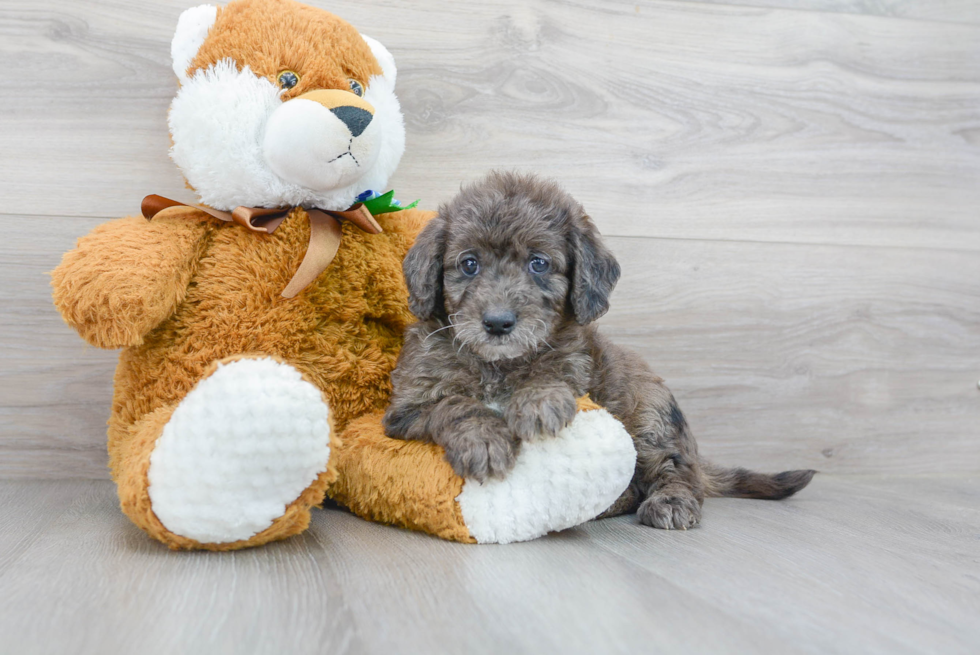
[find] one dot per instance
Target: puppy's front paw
(670, 512)
(540, 411)
(481, 449)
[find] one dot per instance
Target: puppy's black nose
(355, 118)
(499, 322)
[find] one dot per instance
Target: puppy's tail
(742, 483)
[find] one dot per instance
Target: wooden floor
(793, 190)
(853, 565)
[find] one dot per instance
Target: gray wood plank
(788, 356)
(852, 565)
(951, 11)
(345, 585)
(847, 566)
(551, 595)
(679, 120)
(847, 359)
(55, 390)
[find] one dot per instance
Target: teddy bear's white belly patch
(240, 447)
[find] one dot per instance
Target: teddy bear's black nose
(499, 322)
(355, 118)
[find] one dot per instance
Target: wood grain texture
(947, 11)
(679, 119)
(55, 390)
(792, 193)
(787, 356)
(852, 565)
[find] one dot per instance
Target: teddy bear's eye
(356, 88)
(288, 79)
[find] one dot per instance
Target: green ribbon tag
(385, 204)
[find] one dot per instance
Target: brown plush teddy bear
(260, 327)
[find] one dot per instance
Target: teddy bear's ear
(192, 29)
(384, 58)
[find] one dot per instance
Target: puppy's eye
(539, 265)
(469, 266)
(288, 79)
(356, 88)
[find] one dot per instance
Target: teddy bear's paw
(556, 484)
(240, 447)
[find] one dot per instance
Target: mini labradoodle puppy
(507, 282)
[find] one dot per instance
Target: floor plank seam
(826, 12)
(646, 237)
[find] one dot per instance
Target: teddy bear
(258, 328)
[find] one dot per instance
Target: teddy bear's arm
(126, 276)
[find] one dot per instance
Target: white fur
(388, 120)
(240, 447)
(192, 29)
(219, 122)
(557, 482)
(306, 143)
(385, 60)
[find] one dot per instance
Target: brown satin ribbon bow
(325, 231)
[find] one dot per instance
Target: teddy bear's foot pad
(240, 447)
(556, 484)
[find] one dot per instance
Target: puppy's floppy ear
(595, 272)
(423, 270)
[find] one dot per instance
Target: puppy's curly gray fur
(480, 392)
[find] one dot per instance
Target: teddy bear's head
(282, 104)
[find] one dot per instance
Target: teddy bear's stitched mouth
(344, 154)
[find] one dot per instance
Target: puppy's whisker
(544, 328)
(460, 333)
(452, 324)
(428, 336)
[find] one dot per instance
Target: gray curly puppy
(507, 282)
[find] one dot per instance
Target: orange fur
(404, 483)
(184, 291)
(127, 276)
(343, 332)
(270, 36)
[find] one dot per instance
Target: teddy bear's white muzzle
(310, 145)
